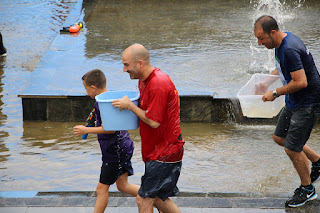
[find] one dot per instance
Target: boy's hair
(96, 78)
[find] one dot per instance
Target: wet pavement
(63, 202)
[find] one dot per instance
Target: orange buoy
(74, 28)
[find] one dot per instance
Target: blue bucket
(113, 119)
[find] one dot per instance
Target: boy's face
(91, 90)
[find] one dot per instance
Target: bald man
(162, 144)
(301, 86)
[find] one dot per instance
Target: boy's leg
(102, 198)
(108, 176)
(125, 169)
(124, 186)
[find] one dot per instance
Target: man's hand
(268, 96)
(79, 130)
(123, 103)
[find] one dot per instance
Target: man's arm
(298, 82)
(125, 103)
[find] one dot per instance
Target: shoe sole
(301, 204)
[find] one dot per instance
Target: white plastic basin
(252, 105)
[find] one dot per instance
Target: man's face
(130, 67)
(264, 38)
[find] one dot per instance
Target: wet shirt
(160, 99)
(293, 55)
(113, 146)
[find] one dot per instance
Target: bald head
(137, 52)
(136, 62)
(268, 23)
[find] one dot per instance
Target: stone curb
(117, 199)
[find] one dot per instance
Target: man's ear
(141, 63)
(273, 33)
(93, 87)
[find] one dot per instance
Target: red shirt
(160, 99)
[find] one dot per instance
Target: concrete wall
(202, 108)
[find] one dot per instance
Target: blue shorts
(296, 126)
(111, 171)
(160, 179)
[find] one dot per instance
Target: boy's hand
(123, 103)
(79, 130)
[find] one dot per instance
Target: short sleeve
(157, 105)
(293, 60)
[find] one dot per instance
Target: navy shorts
(296, 126)
(111, 171)
(160, 179)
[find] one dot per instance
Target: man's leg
(301, 164)
(310, 153)
(167, 206)
(306, 191)
(145, 205)
(160, 180)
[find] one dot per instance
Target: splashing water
(262, 58)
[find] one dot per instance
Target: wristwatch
(275, 94)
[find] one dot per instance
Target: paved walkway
(129, 210)
(74, 202)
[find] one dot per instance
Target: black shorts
(111, 171)
(296, 126)
(160, 179)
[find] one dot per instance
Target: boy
(116, 147)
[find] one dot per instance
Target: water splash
(283, 11)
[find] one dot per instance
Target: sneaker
(315, 173)
(301, 196)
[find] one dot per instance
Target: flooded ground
(218, 158)
(205, 46)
